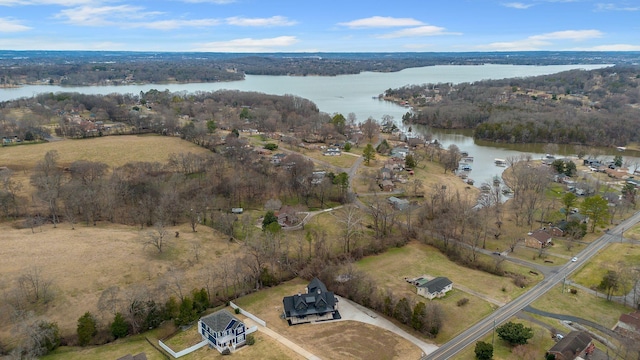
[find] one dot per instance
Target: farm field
(112, 150)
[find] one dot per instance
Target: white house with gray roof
(222, 330)
(435, 288)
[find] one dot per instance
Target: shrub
(462, 302)
(251, 339)
(87, 329)
(484, 351)
(119, 327)
(237, 310)
(271, 146)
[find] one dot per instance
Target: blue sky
(319, 26)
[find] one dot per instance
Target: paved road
(483, 327)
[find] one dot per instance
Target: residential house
(317, 177)
(537, 239)
(222, 330)
(386, 173)
(575, 345)
(276, 159)
(332, 152)
(435, 288)
(398, 204)
(628, 325)
(387, 185)
(400, 152)
(316, 304)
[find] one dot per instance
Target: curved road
(483, 327)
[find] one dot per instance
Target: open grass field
(264, 348)
(535, 349)
(583, 305)
(617, 257)
(82, 263)
(390, 269)
(329, 340)
(112, 150)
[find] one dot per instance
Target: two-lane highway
(483, 327)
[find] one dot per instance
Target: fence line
(248, 314)
(182, 352)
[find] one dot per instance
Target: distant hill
(596, 107)
(118, 67)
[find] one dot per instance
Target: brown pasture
(82, 263)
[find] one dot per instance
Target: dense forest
(598, 107)
(98, 68)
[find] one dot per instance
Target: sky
(320, 26)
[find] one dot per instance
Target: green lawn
(617, 257)
(583, 305)
(535, 349)
(390, 269)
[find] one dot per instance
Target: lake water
(354, 93)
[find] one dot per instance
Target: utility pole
(493, 334)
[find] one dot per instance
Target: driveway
(355, 312)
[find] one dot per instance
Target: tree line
(79, 68)
(597, 107)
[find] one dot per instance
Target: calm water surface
(354, 93)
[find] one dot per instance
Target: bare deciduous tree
(350, 218)
(158, 238)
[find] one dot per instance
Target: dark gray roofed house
(317, 304)
(435, 288)
(222, 330)
(573, 345)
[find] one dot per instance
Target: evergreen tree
(484, 351)
(514, 333)
(119, 327)
(269, 217)
(369, 153)
(87, 329)
(419, 314)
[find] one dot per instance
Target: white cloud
(174, 24)
(51, 44)
(102, 16)
(518, 45)
(248, 45)
(517, 5)
(539, 42)
(127, 16)
(272, 21)
(615, 7)
(611, 47)
(10, 26)
(576, 35)
(416, 47)
(426, 30)
(65, 3)
(381, 22)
